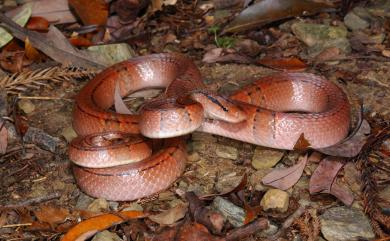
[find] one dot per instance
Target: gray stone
(234, 214)
(343, 223)
(354, 22)
(256, 177)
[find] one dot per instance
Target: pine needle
(23, 81)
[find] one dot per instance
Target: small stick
(42, 98)
(32, 201)
(16, 225)
(247, 230)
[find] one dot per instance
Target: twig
(16, 225)
(247, 230)
(42, 98)
(32, 201)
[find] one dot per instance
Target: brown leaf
(157, 5)
(324, 177)
(325, 174)
(285, 178)
(195, 232)
(212, 55)
(56, 11)
(351, 145)
(267, 11)
(39, 24)
(302, 143)
(51, 215)
(119, 104)
(80, 41)
(54, 45)
(328, 54)
(89, 227)
(290, 64)
(12, 61)
(91, 11)
(128, 10)
(3, 139)
(30, 52)
(170, 216)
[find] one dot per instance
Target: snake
(125, 157)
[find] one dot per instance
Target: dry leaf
(302, 143)
(194, 232)
(352, 145)
(39, 24)
(290, 64)
(157, 5)
(30, 52)
(91, 11)
(267, 11)
(20, 17)
(212, 55)
(89, 227)
(285, 178)
(54, 45)
(51, 215)
(324, 177)
(56, 11)
(170, 216)
(79, 41)
(119, 104)
(3, 139)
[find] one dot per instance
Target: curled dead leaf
(170, 216)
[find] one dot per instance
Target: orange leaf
(31, 52)
(302, 143)
(79, 41)
(99, 223)
(51, 215)
(38, 24)
(291, 64)
(91, 11)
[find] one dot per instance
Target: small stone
(69, 134)
(227, 183)
(106, 236)
(98, 205)
(26, 106)
(256, 177)
(134, 207)
(112, 53)
(354, 22)
(343, 223)
(83, 201)
(41, 139)
(266, 158)
(198, 146)
(234, 214)
(113, 205)
(275, 199)
(193, 157)
(271, 230)
(228, 152)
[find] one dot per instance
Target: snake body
(112, 162)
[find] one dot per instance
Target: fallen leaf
(54, 45)
(79, 41)
(195, 231)
(157, 5)
(51, 215)
(290, 64)
(302, 143)
(13, 61)
(21, 18)
(120, 106)
(89, 227)
(170, 216)
(30, 52)
(323, 180)
(212, 55)
(328, 54)
(91, 11)
(267, 11)
(39, 24)
(351, 145)
(3, 139)
(241, 185)
(286, 177)
(127, 10)
(56, 11)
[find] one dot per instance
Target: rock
(83, 201)
(271, 230)
(228, 152)
(193, 157)
(266, 158)
(343, 223)
(256, 177)
(106, 236)
(275, 199)
(41, 139)
(112, 53)
(234, 214)
(113, 205)
(134, 207)
(68, 133)
(26, 106)
(320, 37)
(98, 205)
(354, 22)
(228, 182)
